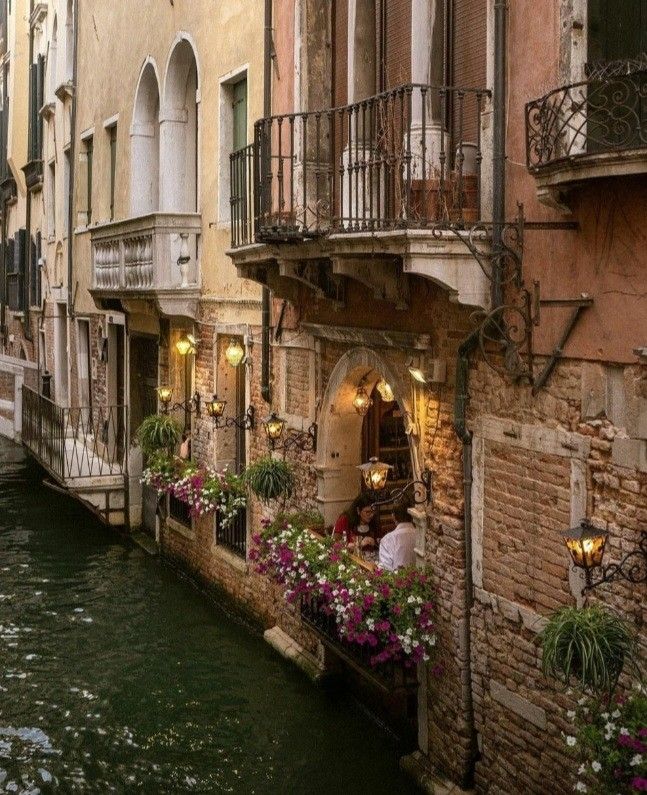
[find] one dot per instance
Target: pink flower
(639, 784)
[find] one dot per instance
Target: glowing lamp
(273, 426)
(235, 353)
(165, 394)
(375, 473)
(215, 407)
(186, 344)
(386, 393)
(362, 402)
(586, 545)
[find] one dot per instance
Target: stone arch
(339, 444)
(145, 143)
(179, 129)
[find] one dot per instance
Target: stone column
(427, 68)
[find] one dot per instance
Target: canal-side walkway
(116, 676)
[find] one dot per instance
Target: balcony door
(144, 351)
(617, 101)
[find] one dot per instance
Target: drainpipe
(461, 398)
(26, 298)
(70, 195)
(267, 111)
(498, 146)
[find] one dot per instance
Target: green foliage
(587, 647)
(301, 520)
(270, 478)
(159, 432)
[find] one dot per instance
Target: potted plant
(587, 647)
(270, 479)
(159, 432)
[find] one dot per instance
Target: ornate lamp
(165, 395)
(215, 408)
(386, 393)
(586, 544)
(375, 474)
(186, 344)
(362, 401)
(299, 440)
(235, 353)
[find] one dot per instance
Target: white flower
(636, 760)
(582, 701)
(604, 715)
(580, 787)
(596, 766)
(570, 714)
(571, 741)
(623, 730)
(581, 770)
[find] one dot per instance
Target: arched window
(179, 132)
(144, 145)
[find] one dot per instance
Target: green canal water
(116, 676)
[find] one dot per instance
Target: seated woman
(359, 519)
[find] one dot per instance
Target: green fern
(270, 479)
(587, 647)
(159, 432)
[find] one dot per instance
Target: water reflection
(117, 677)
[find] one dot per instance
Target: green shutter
(240, 115)
(617, 29)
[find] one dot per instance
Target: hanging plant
(159, 432)
(587, 647)
(270, 479)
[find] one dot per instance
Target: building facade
(432, 196)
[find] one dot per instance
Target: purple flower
(639, 784)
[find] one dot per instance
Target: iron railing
(388, 675)
(407, 158)
(75, 442)
(605, 113)
(179, 511)
(234, 535)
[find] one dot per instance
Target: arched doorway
(179, 132)
(345, 437)
(145, 145)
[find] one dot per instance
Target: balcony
(152, 258)
(589, 130)
(82, 448)
(397, 174)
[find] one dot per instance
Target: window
(86, 162)
(34, 270)
(233, 136)
(617, 29)
(35, 131)
(112, 132)
(51, 203)
(67, 166)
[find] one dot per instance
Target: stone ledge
(536, 438)
(288, 647)
(416, 765)
(517, 704)
(234, 561)
(511, 610)
(180, 529)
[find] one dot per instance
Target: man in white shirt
(397, 548)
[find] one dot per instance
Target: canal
(116, 676)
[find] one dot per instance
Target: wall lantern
(299, 440)
(235, 353)
(586, 544)
(375, 474)
(191, 405)
(362, 401)
(216, 409)
(385, 391)
(186, 344)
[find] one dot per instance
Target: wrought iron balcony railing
(74, 443)
(234, 535)
(407, 158)
(149, 253)
(604, 114)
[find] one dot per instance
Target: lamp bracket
(298, 440)
(632, 568)
(245, 422)
(421, 489)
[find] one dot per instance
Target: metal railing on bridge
(74, 442)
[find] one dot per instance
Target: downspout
(461, 398)
(70, 196)
(26, 298)
(267, 111)
(498, 147)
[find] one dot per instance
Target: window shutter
(40, 101)
(33, 112)
(240, 115)
(9, 257)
